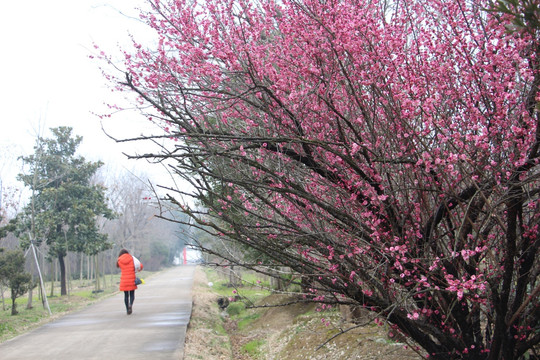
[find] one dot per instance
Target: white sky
(47, 78)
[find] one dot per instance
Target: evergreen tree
(13, 275)
(65, 204)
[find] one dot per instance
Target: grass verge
(254, 348)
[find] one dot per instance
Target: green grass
(248, 295)
(236, 308)
(248, 319)
(254, 279)
(253, 348)
(252, 286)
(253, 289)
(249, 292)
(219, 329)
(27, 319)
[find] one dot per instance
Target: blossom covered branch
(386, 151)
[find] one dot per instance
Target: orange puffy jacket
(127, 277)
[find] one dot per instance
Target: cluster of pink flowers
(378, 147)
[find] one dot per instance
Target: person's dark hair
(122, 252)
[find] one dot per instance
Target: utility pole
(43, 292)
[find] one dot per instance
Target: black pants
(129, 298)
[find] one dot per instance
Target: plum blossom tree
(387, 151)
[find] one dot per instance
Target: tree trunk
(88, 267)
(67, 262)
(276, 282)
(63, 287)
(31, 291)
(3, 300)
(96, 266)
(30, 296)
(53, 276)
(13, 306)
(91, 269)
(234, 279)
(81, 265)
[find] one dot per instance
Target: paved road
(155, 330)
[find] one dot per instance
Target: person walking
(126, 263)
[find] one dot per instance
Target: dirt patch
(206, 337)
(307, 340)
(293, 332)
